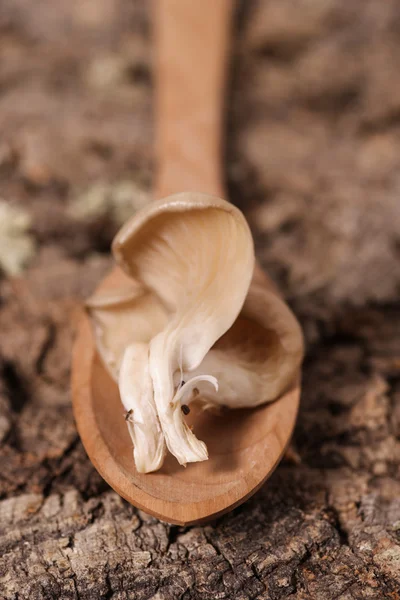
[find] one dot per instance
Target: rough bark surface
(313, 158)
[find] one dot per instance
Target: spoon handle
(191, 45)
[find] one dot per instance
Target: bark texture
(313, 158)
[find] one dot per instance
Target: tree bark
(313, 156)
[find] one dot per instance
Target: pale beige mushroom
(191, 260)
(256, 359)
(124, 322)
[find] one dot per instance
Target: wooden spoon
(244, 446)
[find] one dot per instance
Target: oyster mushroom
(195, 318)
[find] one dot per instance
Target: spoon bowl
(244, 446)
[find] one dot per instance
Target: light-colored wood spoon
(244, 446)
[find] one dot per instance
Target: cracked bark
(313, 160)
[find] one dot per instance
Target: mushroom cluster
(196, 319)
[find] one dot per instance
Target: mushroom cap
(193, 298)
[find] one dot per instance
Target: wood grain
(191, 48)
(325, 525)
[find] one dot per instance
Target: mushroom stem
(180, 440)
(136, 390)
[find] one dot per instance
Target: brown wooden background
(313, 158)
